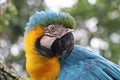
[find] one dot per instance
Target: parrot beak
(65, 43)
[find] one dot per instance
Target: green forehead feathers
(45, 18)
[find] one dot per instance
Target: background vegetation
(98, 29)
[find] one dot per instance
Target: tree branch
(6, 74)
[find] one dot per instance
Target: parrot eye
(52, 28)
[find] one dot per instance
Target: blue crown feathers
(45, 18)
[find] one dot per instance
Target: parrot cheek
(47, 41)
(65, 43)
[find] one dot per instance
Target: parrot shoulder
(83, 64)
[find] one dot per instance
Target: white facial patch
(47, 41)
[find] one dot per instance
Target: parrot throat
(38, 66)
(65, 43)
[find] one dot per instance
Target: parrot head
(52, 33)
(47, 35)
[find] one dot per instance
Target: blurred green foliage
(14, 15)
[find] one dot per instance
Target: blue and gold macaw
(52, 55)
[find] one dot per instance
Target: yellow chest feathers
(39, 67)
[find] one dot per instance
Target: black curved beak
(65, 43)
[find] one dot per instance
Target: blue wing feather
(83, 64)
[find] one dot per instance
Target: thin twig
(5, 72)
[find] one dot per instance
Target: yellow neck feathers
(39, 67)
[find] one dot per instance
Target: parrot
(51, 52)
